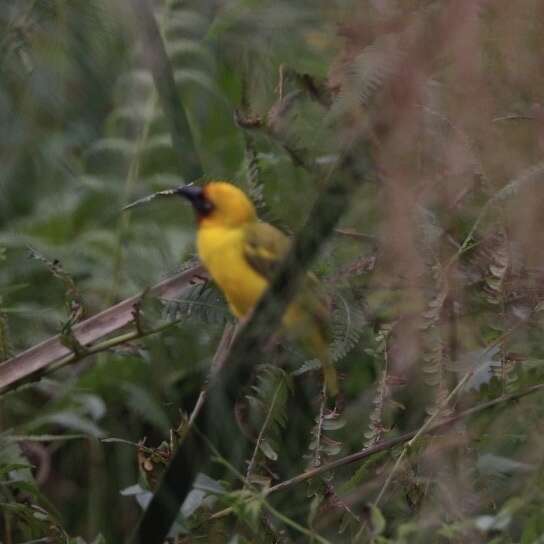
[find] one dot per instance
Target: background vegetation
(435, 274)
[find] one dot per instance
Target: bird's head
(219, 204)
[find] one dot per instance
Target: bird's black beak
(197, 197)
(193, 193)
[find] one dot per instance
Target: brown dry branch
(51, 351)
(351, 233)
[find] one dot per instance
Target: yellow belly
(222, 253)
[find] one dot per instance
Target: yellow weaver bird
(242, 255)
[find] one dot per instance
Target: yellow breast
(221, 250)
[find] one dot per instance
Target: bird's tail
(330, 377)
(312, 333)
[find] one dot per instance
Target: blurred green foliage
(436, 269)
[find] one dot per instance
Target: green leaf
(377, 520)
(489, 463)
(143, 403)
(69, 420)
(268, 450)
(44, 437)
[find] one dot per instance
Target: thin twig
(217, 364)
(113, 342)
(319, 429)
(264, 428)
(514, 117)
(352, 233)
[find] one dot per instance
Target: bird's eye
(197, 197)
(203, 206)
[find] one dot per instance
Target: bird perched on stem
(242, 255)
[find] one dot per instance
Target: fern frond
(322, 447)
(347, 323)
(72, 297)
(268, 413)
(376, 427)
(435, 352)
(366, 74)
(494, 259)
(254, 184)
(497, 257)
(200, 302)
(359, 266)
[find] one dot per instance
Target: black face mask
(196, 196)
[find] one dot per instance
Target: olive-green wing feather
(265, 248)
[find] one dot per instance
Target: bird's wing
(265, 248)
